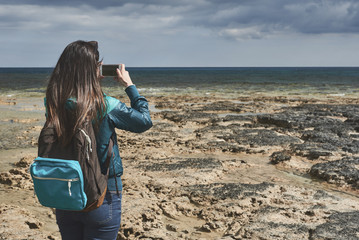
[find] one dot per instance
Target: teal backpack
(69, 177)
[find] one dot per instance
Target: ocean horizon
(198, 80)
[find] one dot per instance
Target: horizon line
(206, 67)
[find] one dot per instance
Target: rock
(222, 146)
(163, 127)
(352, 147)
(171, 227)
(235, 133)
(25, 162)
(312, 150)
(341, 172)
(180, 117)
(278, 157)
(18, 177)
(261, 137)
(227, 190)
(221, 106)
(321, 194)
(272, 230)
(237, 118)
(315, 154)
(234, 229)
(340, 226)
(205, 228)
(305, 116)
(236, 137)
(284, 120)
(169, 209)
(172, 164)
(325, 129)
(325, 137)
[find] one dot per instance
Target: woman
(75, 84)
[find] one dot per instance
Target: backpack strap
(111, 156)
(88, 145)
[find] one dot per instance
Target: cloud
(242, 33)
(232, 19)
(261, 18)
(324, 17)
(160, 31)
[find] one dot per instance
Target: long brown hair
(75, 76)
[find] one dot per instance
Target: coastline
(207, 168)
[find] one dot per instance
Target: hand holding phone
(123, 76)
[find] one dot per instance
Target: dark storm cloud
(263, 16)
(236, 19)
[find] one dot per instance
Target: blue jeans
(102, 223)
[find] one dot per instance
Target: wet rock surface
(217, 168)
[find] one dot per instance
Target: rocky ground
(254, 167)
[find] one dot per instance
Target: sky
(183, 33)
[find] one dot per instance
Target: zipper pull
(69, 185)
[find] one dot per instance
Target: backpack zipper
(60, 179)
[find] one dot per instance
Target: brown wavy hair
(75, 77)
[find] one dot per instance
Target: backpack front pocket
(59, 183)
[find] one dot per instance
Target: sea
(227, 81)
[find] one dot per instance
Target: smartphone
(109, 69)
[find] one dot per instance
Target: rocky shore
(214, 167)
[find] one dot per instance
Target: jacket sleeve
(135, 118)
